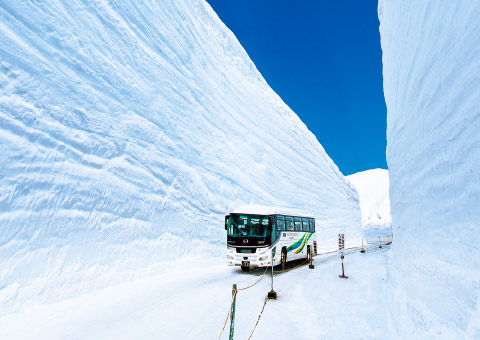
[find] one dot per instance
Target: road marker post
(343, 276)
(311, 266)
(232, 311)
(272, 295)
(341, 248)
(380, 241)
(363, 248)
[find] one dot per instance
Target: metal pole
(232, 311)
(380, 246)
(343, 276)
(272, 295)
(272, 271)
(310, 265)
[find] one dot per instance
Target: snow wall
(372, 187)
(431, 68)
(128, 129)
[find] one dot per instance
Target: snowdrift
(372, 187)
(128, 129)
(431, 65)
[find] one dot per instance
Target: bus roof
(269, 210)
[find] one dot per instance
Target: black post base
(272, 295)
(343, 276)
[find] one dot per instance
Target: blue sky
(324, 60)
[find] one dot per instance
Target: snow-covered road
(190, 301)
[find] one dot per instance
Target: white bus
(251, 237)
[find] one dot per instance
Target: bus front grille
(246, 250)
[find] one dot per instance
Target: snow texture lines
(431, 63)
(127, 129)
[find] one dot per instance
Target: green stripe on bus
(296, 244)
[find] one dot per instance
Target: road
(191, 301)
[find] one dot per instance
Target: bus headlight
(263, 258)
(229, 257)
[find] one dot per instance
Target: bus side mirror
(226, 221)
(269, 224)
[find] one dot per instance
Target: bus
(252, 238)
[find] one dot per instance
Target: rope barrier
(259, 316)
(260, 279)
(228, 314)
(350, 249)
(233, 299)
(376, 247)
(287, 270)
(327, 252)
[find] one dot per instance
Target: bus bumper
(251, 260)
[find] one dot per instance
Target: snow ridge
(372, 187)
(431, 63)
(127, 130)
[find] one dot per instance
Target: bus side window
(289, 223)
(305, 223)
(298, 224)
(280, 224)
(312, 225)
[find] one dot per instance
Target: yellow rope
(260, 279)
(228, 314)
(259, 316)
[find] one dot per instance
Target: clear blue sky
(324, 60)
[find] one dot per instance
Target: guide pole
(341, 248)
(232, 311)
(272, 295)
(363, 248)
(343, 276)
(380, 246)
(311, 266)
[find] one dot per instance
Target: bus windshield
(242, 225)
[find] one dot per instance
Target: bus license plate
(245, 263)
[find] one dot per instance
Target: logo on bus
(245, 241)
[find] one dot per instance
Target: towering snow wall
(127, 130)
(431, 68)
(372, 187)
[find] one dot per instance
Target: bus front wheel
(284, 259)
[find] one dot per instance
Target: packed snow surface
(431, 67)
(193, 299)
(372, 187)
(127, 130)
